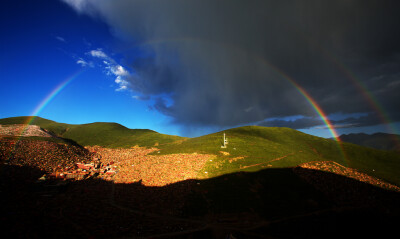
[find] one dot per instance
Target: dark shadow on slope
(272, 203)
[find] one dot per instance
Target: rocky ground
(23, 130)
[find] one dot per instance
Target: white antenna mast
(225, 142)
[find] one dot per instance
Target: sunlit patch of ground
(23, 130)
(333, 167)
(134, 164)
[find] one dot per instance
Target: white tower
(225, 142)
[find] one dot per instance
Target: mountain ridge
(379, 140)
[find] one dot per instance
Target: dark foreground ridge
(272, 203)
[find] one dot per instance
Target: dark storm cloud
(220, 62)
(302, 123)
(367, 120)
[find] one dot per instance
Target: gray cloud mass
(226, 62)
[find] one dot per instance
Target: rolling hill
(252, 148)
(110, 135)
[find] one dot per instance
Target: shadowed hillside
(272, 203)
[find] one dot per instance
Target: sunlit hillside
(102, 134)
(253, 148)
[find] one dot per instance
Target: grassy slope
(115, 135)
(284, 147)
(261, 147)
(103, 134)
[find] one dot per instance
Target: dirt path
(273, 160)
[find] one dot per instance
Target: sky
(191, 68)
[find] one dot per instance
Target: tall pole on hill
(225, 142)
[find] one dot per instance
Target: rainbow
(316, 107)
(368, 96)
(301, 90)
(313, 104)
(357, 83)
(308, 98)
(260, 59)
(361, 88)
(45, 102)
(50, 97)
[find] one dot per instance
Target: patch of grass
(114, 135)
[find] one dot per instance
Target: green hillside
(115, 135)
(252, 148)
(111, 135)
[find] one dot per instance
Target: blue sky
(168, 68)
(41, 45)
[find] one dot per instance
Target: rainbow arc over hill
(368, 96)
(357, 83)
(46, 101)
(50, 97)
(268, 65)
(314, 105)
